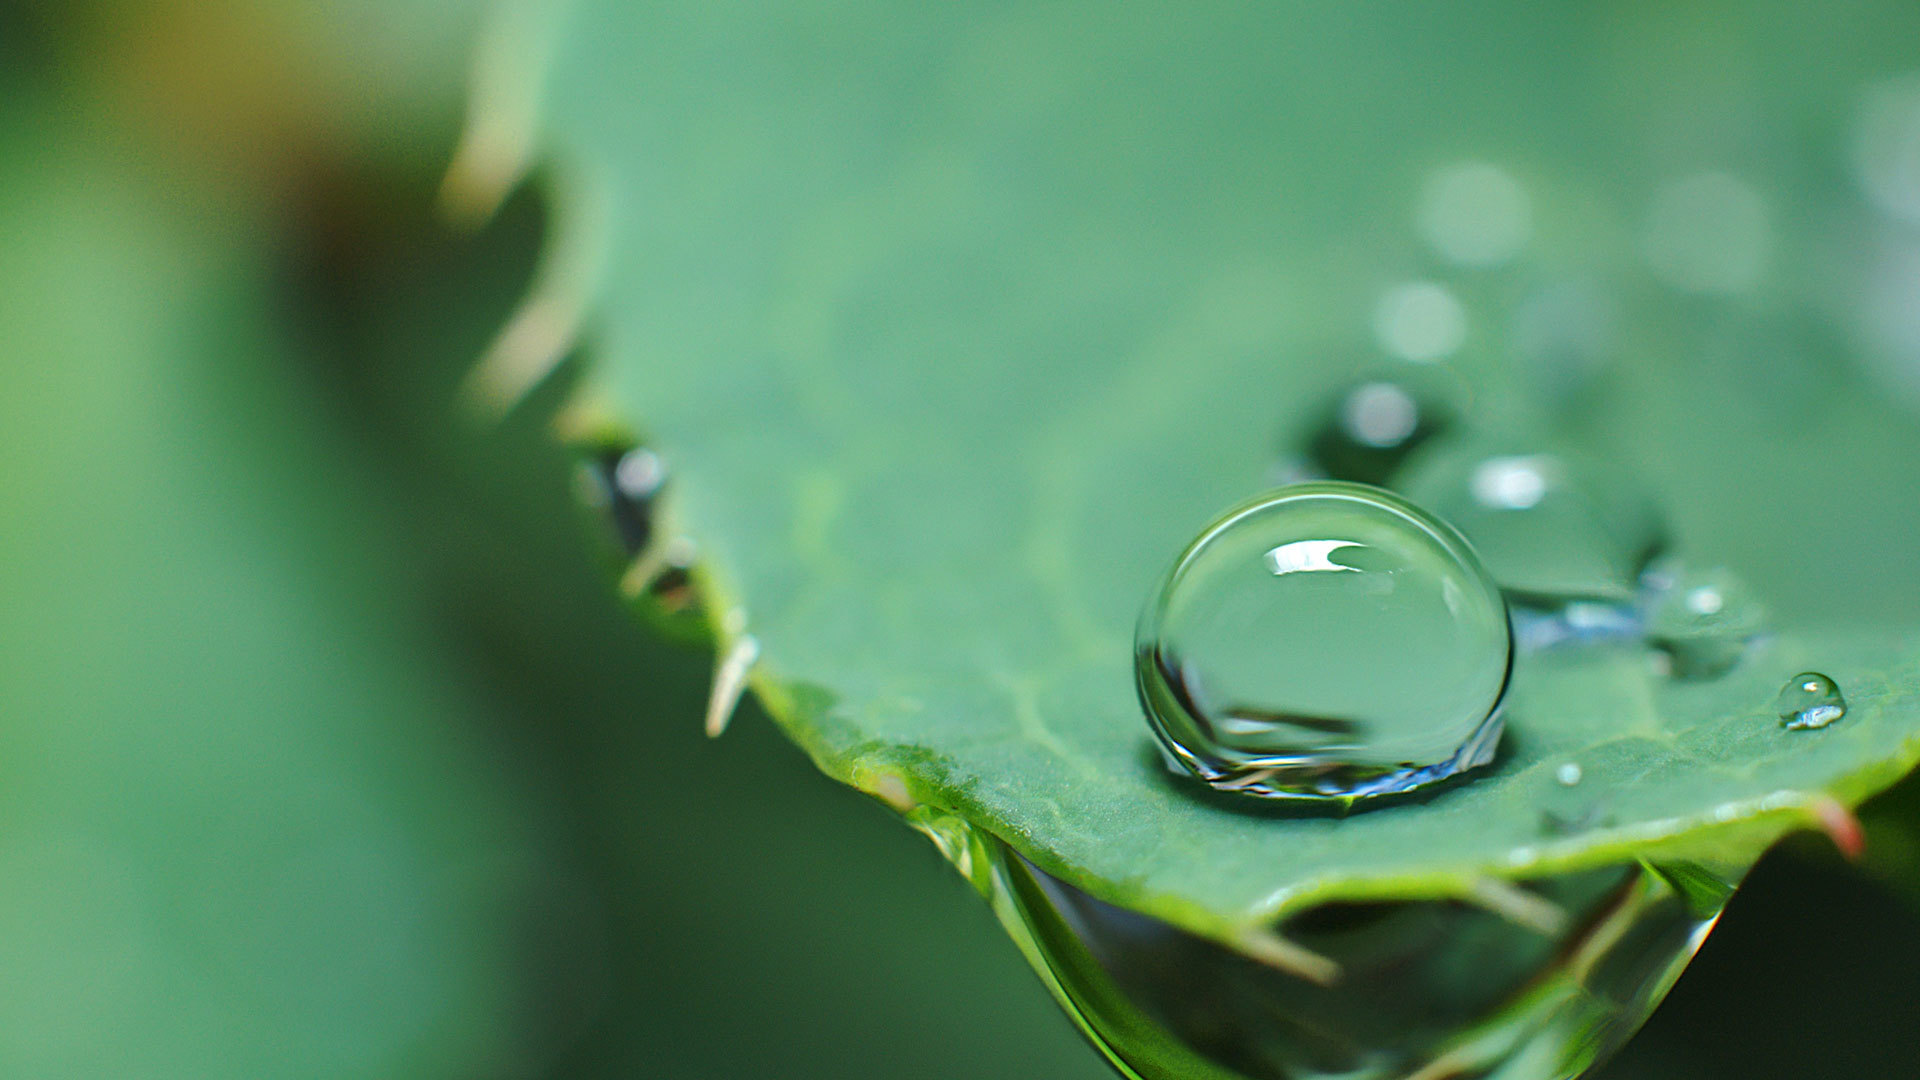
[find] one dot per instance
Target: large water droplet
(1550, 527)
(1546, 976)
(1810, 700)
(1325, 641)
(1377, 420)
(1702, 620)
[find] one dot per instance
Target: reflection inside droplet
(1307, 556)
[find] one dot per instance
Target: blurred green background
(325, 748)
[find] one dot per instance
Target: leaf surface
(956, 322)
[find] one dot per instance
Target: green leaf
(955, 322)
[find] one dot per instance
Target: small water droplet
(1379, 414)
(638, 474)
(1374, 989)
(1552, 528)
(1419, 321)
(1474, 214)
(1703, 621)
(958, 842)
(1809, 701)
(621, 483)
(1568, 804)
(1325, 641)
(1377, 420)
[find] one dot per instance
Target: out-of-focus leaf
(246, 826)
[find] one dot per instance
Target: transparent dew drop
(620, 484)
(1810, 701)
(1420, 321)
(1375, 421)
(1326, 641)
(1703, 621)
(1552, 528)
(1568, 804)
(1474, 214)
(1546, 977)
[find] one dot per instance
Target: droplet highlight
(1810, 701)
(1326, 641)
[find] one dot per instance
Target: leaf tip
(1840, 825)
(729, 683)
